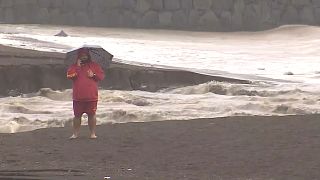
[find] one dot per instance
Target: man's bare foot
(93, 136)
(73, 137)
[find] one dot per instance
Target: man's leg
(92, 121)
(76, 127)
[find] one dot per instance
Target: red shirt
(84, 87)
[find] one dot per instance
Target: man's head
(84, 55)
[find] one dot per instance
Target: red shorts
(88, 107)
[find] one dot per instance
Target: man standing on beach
(85, 75)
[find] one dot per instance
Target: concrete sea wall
(26, 71)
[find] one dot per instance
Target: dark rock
(62, 34)
(288, 73)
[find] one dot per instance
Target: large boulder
(202, 4)
(172, 4)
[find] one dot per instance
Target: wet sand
(223, 148)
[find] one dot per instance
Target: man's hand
(90, 73)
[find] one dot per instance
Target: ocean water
(266, 58)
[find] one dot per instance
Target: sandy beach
(255, 148)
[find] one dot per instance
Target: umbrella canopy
(97, 53)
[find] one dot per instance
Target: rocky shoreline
(209, 15)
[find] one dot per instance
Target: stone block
(57, 3)
(69, 18)
(236, 21)
(157, 4)
(82, 18)
(171, 5)
(143, 6)
(180, 19)
(130, 19)
(76, 5)
(307, 15)
(9, 15)
(113, 18)
(226, 20)
(44, 3)
(165, 18)
(219, 6)
(6, 3)
(209, 19)
(290, 16)
(55, 16)
(150, 19)
(187, 5)
(113, 4)
(98, 18)
(43, 15)
(315, 3)
(299, 3)
(194, 17)
(129, 4)
(251, 17)
(317, 15)
(97, 5)
(202, 4)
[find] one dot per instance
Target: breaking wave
(50, 108)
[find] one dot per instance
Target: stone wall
(213, 15)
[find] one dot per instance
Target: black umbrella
(97, 53)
